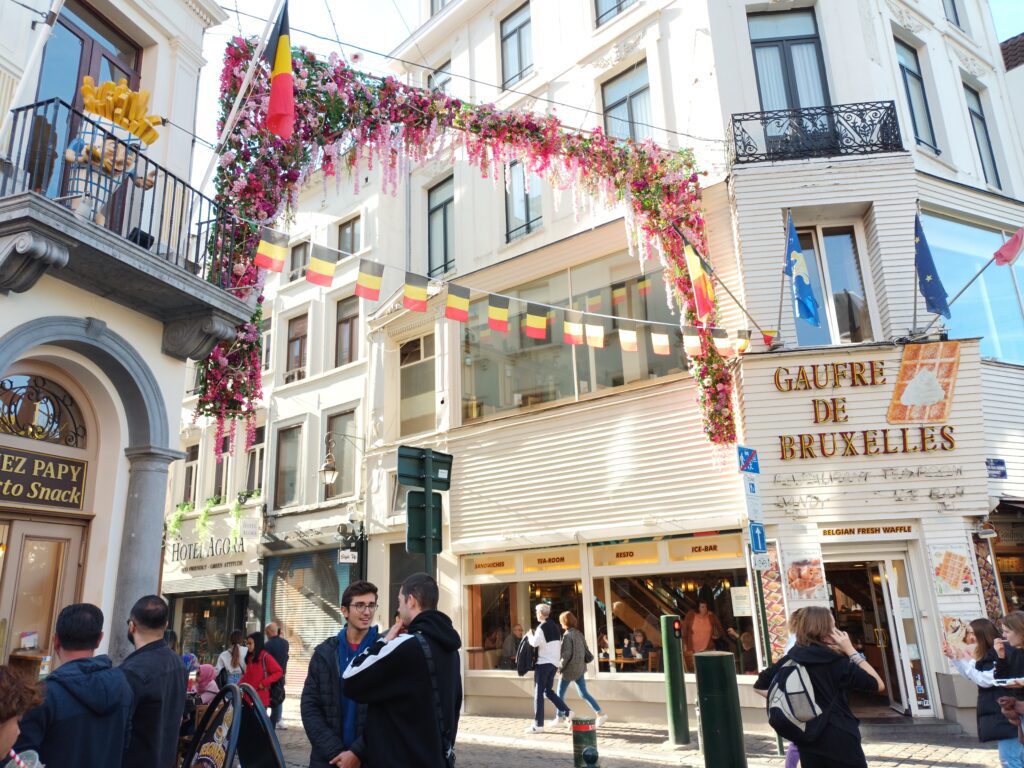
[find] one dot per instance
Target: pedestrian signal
(677, 628)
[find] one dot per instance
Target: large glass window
(222, 472)
(981, 136)
(298, 328)
(416, 364)
(342, 429)
(349, 236)
(346, 334)
(787, 58)
(516, 47)
(441, 227)
(268, 346)
(607, 10)
(991, 307)
(917, 99)
(286, 470)
(204, 627)
(522, 202)
(627, 104)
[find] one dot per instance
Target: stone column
(138, 571)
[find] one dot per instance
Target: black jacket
(832, 675)
(992, 724)
(392, 678)
(84, 720)
(1012, 665)
(157, 676)
(278, 648)
(321, 708)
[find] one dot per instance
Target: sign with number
(748, 460)
(758, 540)
(761, 561)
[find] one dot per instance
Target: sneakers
(561, 719)
(601, 720)
(281, 726)
(534, 728)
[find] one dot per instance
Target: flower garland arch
(344, 118)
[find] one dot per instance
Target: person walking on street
(261, 669)
(547, 639)
(157, 678)
(232, 661)
(277, 647)
(575, 657)
(333, 722)
(834, 667)
(18, 694)
(83, 720)
(410, 681)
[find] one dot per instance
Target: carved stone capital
(195, 337)
(25, 256)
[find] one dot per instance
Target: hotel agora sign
(921, 400)
(27, 477)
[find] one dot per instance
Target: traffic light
(677, 628)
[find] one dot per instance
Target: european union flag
(927, 277)
(800, 279)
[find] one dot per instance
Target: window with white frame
(606, 10)
(222, 472)
(982, 138)
(441, 78)
(298, 328)
(287, 490)
(342, 429)
(268, 348)
(416, 382)
(522, 202)
(516, 46)
(627, 104)
(254, 463)
(188, 491)
(952, 12)
(917, 98)
(298, 261)
(349, 236)
(787, 59)
(441, 227)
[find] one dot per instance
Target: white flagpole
(959, 294)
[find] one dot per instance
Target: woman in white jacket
(233, 659)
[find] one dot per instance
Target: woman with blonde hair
(834, 667)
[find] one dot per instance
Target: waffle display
(952, 571)
(774, 604)
(924, 389)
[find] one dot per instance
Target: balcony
(80, 201)
(833, 131)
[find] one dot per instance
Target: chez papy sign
(829, 409)
(28, 477)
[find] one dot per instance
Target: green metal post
(584, 737)
(766, 643)
(721, 726)
(675, 683)
(428, 492)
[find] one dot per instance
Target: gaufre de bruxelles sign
(27, 477)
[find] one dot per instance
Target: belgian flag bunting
(594, 302)
(572, 327)
(497, 313)
(722, 343)
(618, 295)
(322, 263)
(272, 250)
(659, 341)
(595, 335)
(742, 343)
(769, 337)
(536, 326)
(691, 341)
(457, 305)
(281, 109)
(627, 339)
(644, 286)
(415, 292)
(369, 279)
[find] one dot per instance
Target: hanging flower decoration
(348, 120)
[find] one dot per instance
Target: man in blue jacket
(333, 722)
(84, 720)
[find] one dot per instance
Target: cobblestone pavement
(500, 742)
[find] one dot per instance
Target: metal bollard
(721, 725)
(590, 757)
(584, 737)
(675, 683)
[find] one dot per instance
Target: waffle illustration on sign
(924, 389)
(952, 570)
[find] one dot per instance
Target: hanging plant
(236, 521)
(174, 522)
(202, 524)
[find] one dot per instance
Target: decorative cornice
(971, 65)
(619, 51)
(905, 17)
(25, 256)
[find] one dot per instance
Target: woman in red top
(261, 670)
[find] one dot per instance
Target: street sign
(748, 460)
(411, 467)
(348, 556)
(758, 541)
(416, 526)
(752, 494)
(996, 469)
(761, 561)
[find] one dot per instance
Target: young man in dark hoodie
(334, 723)
(393, 678)
(84, 718)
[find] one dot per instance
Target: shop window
(342, 429)
(254, 463)
(496, 609)
(982, 139)
(346, 331)
(188, 491)
(917, 99)
(606, 10)
(349, 236)
(416, 366)
(441, 228)
(441, 78)
(627, 104)
(297, 334)
(222, 473)
(286, 469)
(990, 307)
(522, 204)
(516, 47)
(204, 627)
(298, 261)
(268, 338)
(39, 409)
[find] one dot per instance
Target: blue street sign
(748, 460)
(758, 542)
(996, 469)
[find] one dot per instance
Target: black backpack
(793, 710)
(526, 656)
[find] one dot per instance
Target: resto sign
(27, 477)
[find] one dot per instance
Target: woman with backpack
(575, 657)
(824, 657)
(261, 669)
(980, 670)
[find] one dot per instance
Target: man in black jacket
(85, 717)
(414, 698)
(277, 647)
(157, 676)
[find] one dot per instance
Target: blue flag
(927, 277)
(800, 279)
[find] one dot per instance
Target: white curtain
(808, 75)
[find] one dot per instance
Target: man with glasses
(333, 723)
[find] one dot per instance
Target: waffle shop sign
(921, 397)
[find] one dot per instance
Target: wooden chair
(654, 661)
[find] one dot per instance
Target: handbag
(446, 739)
(276, 689)
(222, 678)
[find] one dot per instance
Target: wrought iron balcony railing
(840, 129)
(100, 172)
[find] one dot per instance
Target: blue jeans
(543, 680)
(581, 689)
(1011, 753)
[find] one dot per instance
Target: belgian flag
(322, 263)
(769, 337)
(595, 335)
(618, 295)
(497, 313)
(700, 279)
(627, 339)
(536, 326)
(457, 305)
(369, 279)
(572, 327)
(594, 302)
(272, 250)
(644, 286)
(742, 343)
(722, 343)
(659, 342)
(278, 53)
(415, 297)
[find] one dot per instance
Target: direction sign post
(430, 470)
(758, 542)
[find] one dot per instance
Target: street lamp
(329, 469)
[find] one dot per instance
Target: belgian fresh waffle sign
(40, 479)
